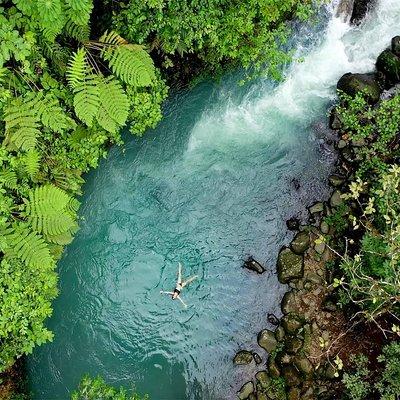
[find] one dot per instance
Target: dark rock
(347, 154)
(288, 302)
(296, 183)
(360, 9)
(300, 243)
(334, 121)
(272, 319)
(254, 265)
(291, 375)
(257, 358)
(336, 180)
(291, 323)
(273, 368)
(243, 357)
(279, 334)
(316, 208)
(246, 390)
(263, 379)
(289, 266)
(266, 340)
(304, 365)
(352, 84)
(283, 358)
(294, 394)
(336, 199)
(293, 224)
(389, 64)
(396, 46)
(293, 345)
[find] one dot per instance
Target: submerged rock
(246, 390)
(300, 243)
(266, 340)
(293, 224)
(257, 358)
(360, 9)
(290, 266)
(352, 84)
(254, 265)
(389, 64)
(243, 357)
(272, 319)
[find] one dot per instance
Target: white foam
(308, 86)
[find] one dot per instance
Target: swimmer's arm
(189, 280)
(162, 292)
(184, 304)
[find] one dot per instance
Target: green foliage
(339, 219)
(357, 383)
(388, 383)
(218, 32)
(97, 389)
(63, 100)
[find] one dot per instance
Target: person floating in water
(179, 286)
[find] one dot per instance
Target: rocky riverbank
(314, 339)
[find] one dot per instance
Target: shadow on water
(210, 186)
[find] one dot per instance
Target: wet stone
(243, 357)
(316, 208)
(341, 144)
(263, 379)
(300, 243)
(254, 265)
(280, 334)
(293, 345)
(293, 224)
(324, 228)
(291, 323)
(246, 390)
(304, 365)
(336, 199)
(273, 368)
(288, 302)
(266, 340)
(257, 358)
(289, 265)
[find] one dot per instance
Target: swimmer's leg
(162, 292)
(179, 273)
(189, 280)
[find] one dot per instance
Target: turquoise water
(210, 186)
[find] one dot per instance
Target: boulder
(243, 357)
(291, 323)
(266, 340)
(246, 390)
(360, 9)
(304, 365)
(291, 375)
(273, 368)
(293, 345)
(324, 227)
(300, 243)
(319, 248)
(289, 266)
(389, 64)
(279, 334)
(396, 45)
(288, 302)
(263, 379)
(334, 120)
(254, 265)
(257, 358)
(336, 199)
(316, 208)
(336, 180)
(352, 84)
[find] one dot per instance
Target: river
(213, 184)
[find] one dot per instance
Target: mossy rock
(303, 364)
(266, 340)
(352, 84)
(389, 64)
(273, 368)
(336, 199)
(293, 345)
(300, 243)
(316, 208)
(263, 379)
(291, 323)
(294, 394)
(289, 266)
(279, 333)
(246, 390)
(243, 357)
(288, 302)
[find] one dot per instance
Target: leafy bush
(356, 383)
(96, 389)
(217, 32)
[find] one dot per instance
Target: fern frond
(31, 162)
(53, 116)
(46, 211)
(80, 33)
(77, 69)
(114, 104)
(78, 11)
(22, 124)
(112, 38)
(8, 179)
(131, 63)
(86, 99)
(51, 17)
(57, 54)
(28, 246)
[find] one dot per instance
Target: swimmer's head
(174, 295)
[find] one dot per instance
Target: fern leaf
(78, 11)
(112, 38)
(86, 99)
(131, 63)
(53, 116)
(78, 32)
(8, 179)
(28, 246)
(51, 16)
(77, 69)
(31, 162)
(114, 102)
